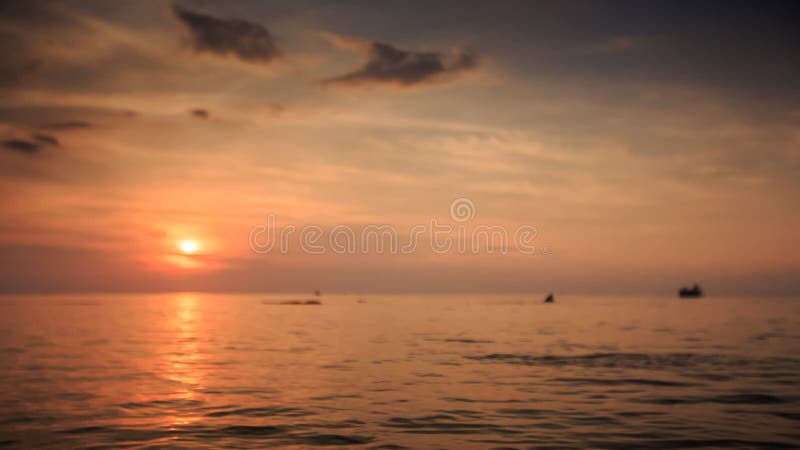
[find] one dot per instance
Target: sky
(650, 145)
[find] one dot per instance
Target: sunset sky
(652, 144)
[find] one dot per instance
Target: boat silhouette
(693, 292)
(550, 298)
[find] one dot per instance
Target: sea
(196, 370)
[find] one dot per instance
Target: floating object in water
(693, 292)
(309, 301)
(550, 298)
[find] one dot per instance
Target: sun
(189, 247)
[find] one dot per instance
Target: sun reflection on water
(184, 365)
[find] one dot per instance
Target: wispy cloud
(33, 145)
(248, 41)
(388, 64)
(46, 139)
(22, 146)
(67, 125)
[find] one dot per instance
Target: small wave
(736, 399)
(766, 336)
(640, 360)
(120, 434)
(444, 424)
(525, 412)
(468, 341)
(639, 413)
(788, 415)
(263, 412)
(334, 439)
(336, 367)
(24, 419)
(429, 375)
(471, 400)
(623, 381)
(280, 434)
(335, 397)
(690, 443)
(251, 430)
(177, 403)
(781, 414)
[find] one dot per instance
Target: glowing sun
(189, 247)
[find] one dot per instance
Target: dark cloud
(23, 26)
(32, 12)
(200, 113)
(33, 145)
(46, 139)
(388, 64)
(13, 73)
(22, 146)
(248, 41)
(67, 125)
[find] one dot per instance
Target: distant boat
(693, 292)
(296, 302)
(550, 298)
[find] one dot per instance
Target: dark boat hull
(687, 293)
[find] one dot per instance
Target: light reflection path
(184, 359)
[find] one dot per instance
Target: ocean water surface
(392, 372)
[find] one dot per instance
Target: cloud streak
(22, 146)
(46, 139)
(31, 146)
(388, 64)
(248, 41)
(68, 125)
